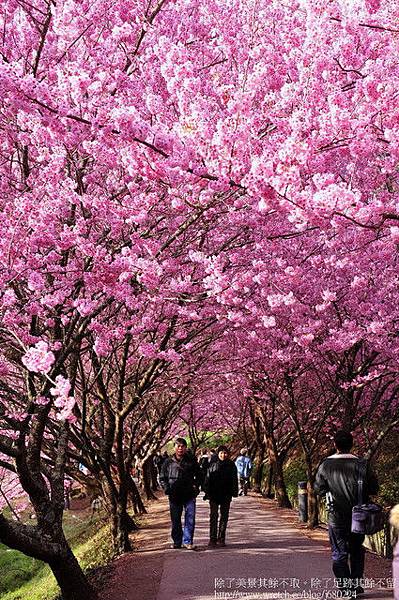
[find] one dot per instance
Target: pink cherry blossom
(38, 358)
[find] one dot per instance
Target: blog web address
(283, 595)
(295, 589)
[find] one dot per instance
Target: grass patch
(24, 578)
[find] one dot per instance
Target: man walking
(181, 480)
(337, 478)
(244, 466)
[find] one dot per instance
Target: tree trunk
(147, 468)
(116, 497)
(279, 485)
(130, 524)
(313, 506)
(268, 490)
(119, 528)
(70, 577)
(277, 464)
(50, 546)
(138, 505)
(259, 469)
(154, 476)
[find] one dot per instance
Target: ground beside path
(137, 575)
(267, 556)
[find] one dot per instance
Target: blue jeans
(179, 535)
(347, 547)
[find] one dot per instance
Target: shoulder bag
(369, 518)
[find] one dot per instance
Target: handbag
(367, 518)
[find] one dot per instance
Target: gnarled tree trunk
(313, 506)
(116, 503)
(138, 504)
(119, 529)
(70, 577)
(276, 463)
(147, 478)
(267, 490)
(53, 549)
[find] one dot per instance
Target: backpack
(369, 518)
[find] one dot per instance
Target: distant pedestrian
(244, 467)
(203, 462)
(337, 477)
(83, 469)
(213, 455)
(159, 459)
(96, 505)
(181, 480)
(394, 520)
(67, 492)
(220, 486)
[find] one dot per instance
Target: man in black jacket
(337, 479)
(221, 484)
(181, 479)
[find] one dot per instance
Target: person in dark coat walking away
(337, 478)
(181, 480)
(220, 485)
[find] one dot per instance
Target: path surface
(266, 557)
(267, 548)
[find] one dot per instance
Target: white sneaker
(189, 546)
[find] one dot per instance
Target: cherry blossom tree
(177, 175)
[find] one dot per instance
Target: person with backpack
(181, 480)
(220, 486)
(244, 467)
(337, 479)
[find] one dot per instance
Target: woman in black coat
(220, 485)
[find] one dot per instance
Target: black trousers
(218, 533)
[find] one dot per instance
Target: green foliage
(294, 471)
(265, 475)
(387, 470)
(213, 441)
(209, 439)
(23, 578)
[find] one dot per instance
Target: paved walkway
(266, 557)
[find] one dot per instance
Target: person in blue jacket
(244, 467)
